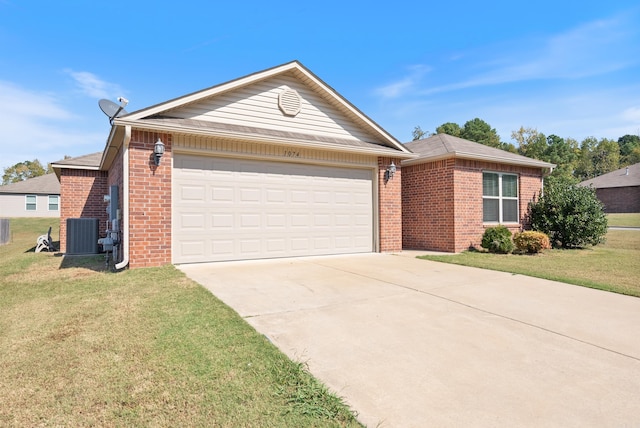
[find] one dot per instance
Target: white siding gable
(256, 105)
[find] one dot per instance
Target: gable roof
(444, 146)
(623, 177)
(90, 161)
(47, 184)
(160, 117)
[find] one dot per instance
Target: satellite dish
(111, 109)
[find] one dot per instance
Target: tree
(629, 144)
(22, 171)
(571, 215)
(584, 161)
(449, 128)
(531, 143)
(606, 157)
(508, 147)
(561, 153)
(418, 133)
(481, 132)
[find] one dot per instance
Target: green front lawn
(628, 220)
(146, 347)
(613, 266)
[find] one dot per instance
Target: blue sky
(565, 68)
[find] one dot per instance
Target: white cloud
(92, 86)
(590, 49)
(632, 114)
(37, 126)
(404, 85)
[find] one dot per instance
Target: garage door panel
(235, 209)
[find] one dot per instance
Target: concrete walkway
(414, 343)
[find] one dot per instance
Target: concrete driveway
(413, 343)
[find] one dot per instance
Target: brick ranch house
(618, 190)
(456, 188)
(273, 164)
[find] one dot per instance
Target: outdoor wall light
(391, 170)
(158, 151)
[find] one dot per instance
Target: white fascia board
(205, 93)
(280, 140)
(355, 111)
(262, 75)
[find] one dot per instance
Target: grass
(612, 266)
(145, 347)
(628, 220)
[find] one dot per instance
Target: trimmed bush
(531, 242)
(571, 215)
(497, 240)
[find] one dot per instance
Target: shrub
(497, 240)
(571, 215)
(531, 241)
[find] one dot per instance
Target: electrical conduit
(125, 199)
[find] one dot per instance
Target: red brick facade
(442, 202)
(149, 201)
(83, 192)
(390, 197)
(620, 199)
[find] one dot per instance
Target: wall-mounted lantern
(391, 170)
(158, 151)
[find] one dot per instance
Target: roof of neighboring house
(91, 161)
(623, 177)
(47, 184)
(444, 146)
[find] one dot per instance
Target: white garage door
(232, 209)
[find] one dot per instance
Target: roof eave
(291, 142)
(132, 118)
(479, 157)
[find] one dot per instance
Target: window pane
(490, 208)
(53, 203)
(510, 186)
(510, 210)
(489, 184)
(30, 202)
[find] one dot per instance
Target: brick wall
(620, 199)
(390, 197)
(442, 202)
(83, 192)
(428, 206)
(149, 201)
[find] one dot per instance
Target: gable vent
(289, 102)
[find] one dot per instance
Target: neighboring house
(456, 188)
(34, 197)
(618, 190)
(273, 164)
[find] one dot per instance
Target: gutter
(125, 199)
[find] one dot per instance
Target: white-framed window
(54, 202)
(30, 202)
(499, 197)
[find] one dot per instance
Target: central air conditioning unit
(82, 236)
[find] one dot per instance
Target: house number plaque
(288, 153)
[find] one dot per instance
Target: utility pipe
(125, 198)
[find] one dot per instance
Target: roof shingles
(623, 177)
(47, 184)
(443, 146)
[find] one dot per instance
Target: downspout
(125, 198)
(545, 174)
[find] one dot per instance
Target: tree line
(576, 161)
